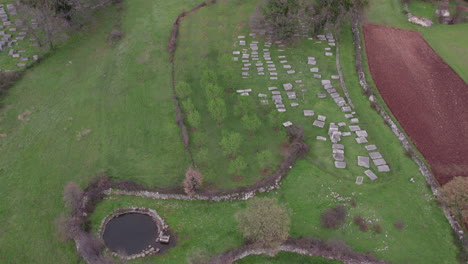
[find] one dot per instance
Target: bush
(193, 118)
(183, 90)
(237, 166)
(359, 221)
(193, 181)
(72, 194)
(115, 36)
(399, 225)
(251, 122)
(377, 228)
(334, 217)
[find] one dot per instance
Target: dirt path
(427, 97)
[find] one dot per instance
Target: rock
(370, 174)
(363, 161)
(375, 155)
(340, 164)
(318, 123)
(383, 168)
(361, 140)
(370, 147)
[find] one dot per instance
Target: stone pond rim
(131, 232)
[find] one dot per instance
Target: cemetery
(192, 86)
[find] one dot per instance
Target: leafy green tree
(244, 105)
(208, 77)
(183, 90)
(226, 70)
(266, 159)
(213, 90)
(230, 143)
(335, 12)
(194, 118)
(237, 166)
(264, 223)
(217, 109)
(251, 122)
(188, 106)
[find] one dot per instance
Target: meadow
(107, 108)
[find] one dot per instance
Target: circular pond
(130, 233)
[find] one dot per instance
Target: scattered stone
(371, 147)
(338, 146)
(361, 140)
(370, 174)
(318, 123)
(361, 133)
(359, 180)
(287, 86)
(384, 168)
(363, 161)
(375, 155)
(287, 124)
(340, 164)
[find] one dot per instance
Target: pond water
(130, 233)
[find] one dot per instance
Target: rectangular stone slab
(363, 161)
(340, 164)
(375, 155)
(383, 168)
(370, 174)
(318, 123)
(379, 162)
(371, 147)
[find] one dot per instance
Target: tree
(454, 194)
(266, 159)
(192, 182)
(183, 90)
(44, 23)
(230, 143)
(335, 12)
(237, 166)
(194, 118)
(217, 109)
(274, 118)
(208, 77)
(244, 105)
(251, 122)
(188, 106)
(213, 90)
(334, 217)
(283, 18)
(72, 194)
(264, 223)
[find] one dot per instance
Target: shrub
(454, 194)
(193, 181)
(194, 118)
(399, 225)
(115, 36)
(251, 122)
(353, 203)
(377, 228)
(183, 90)
(359, 221)
(237, 166)
(72, 194)
(334, 217)
(230, 143)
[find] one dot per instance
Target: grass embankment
(122, 94)
(449, 41)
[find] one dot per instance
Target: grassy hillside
(122, 95)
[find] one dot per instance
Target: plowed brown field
(427, 97)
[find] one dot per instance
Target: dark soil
(427, 97)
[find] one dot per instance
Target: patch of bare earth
(427, 97)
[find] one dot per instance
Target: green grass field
(122, 94)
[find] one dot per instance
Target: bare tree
(72, 194)
(455, 195)
(193, 181)
(334, 217)
(264, 223)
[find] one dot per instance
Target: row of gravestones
(6, 31)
